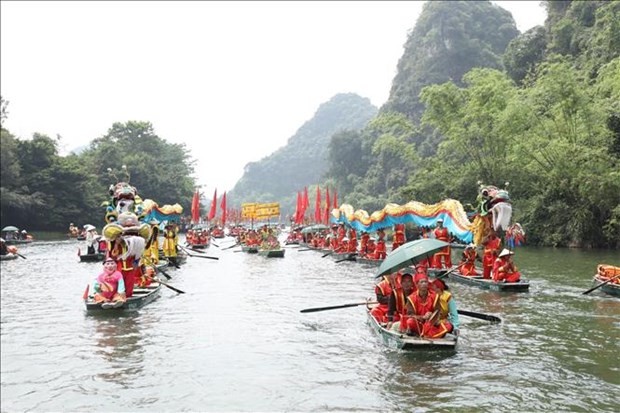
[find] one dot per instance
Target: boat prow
(399, 341)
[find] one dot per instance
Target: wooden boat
(140, 298)
(271, 253)
(249, 249)
(8, 257)
(369, 261)
(396, 340)
(488, 284)
(610, 288)
(92, 257)
(345, 256)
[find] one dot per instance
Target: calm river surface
(236, 340)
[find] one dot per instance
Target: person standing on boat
(109, 286)
(151, 250)
(441, 233)
(492, 246)
(467, 266)
(399, 236)
(397, 302)
(171, 239)
(90, 239)
(423, 310)
(447, 305)
(504, 270)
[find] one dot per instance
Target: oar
(329, 253)
(163, 272)
(347, 258)
(481, 316)
(199, 256)
(443, 274)
(600, 285)
(19, 255)
(167, 285)
(306, 249)
(335, 307)
(232, 246)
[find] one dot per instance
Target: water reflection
(118, 341)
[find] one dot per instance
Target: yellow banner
(265, 211)
(248, 211)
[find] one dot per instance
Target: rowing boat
(271, 253)
(249, 249)
(610, 288)
(140, 298)
(369, 261)
(396, 340)
(7, 257)
(98, 256)
(486, 283)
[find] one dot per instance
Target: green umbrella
(10, 228)
(410, 254)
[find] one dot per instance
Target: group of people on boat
(411, 304)
(7, 249)
(497, 263)
(265, 238)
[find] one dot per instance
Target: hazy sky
(232, 80)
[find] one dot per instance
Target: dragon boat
(399, 341)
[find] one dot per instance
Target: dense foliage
(42, 190)
(548, 123)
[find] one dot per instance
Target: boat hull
(8, 257)
(609, 288)
(271, 253)
(249, 250)
(395, 340)
(140, 298)
(369, 261)
(487, 284)
(92, 257)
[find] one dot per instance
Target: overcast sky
(232, 80)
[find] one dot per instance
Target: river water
(236, 340)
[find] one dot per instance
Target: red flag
(298, 208)
(335, 199)
(213, 206)
(327, 208)
(223, 207)
(306, 204)
(196, 207)
(317, 206)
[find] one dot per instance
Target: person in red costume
(380, 250)
(364, 243)
(492, 246)
(343, 247)
(399, 236)
(370, 249)
(423, 311)
(467, 266)
(441, 233)
(504, 270)
(397, 301)
(342, 232)
(383, 290)
(352, 247)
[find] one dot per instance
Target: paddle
(167, 285)
(232, 246)
(199, 256)
(335, 307)
(305, 249)
(19, 255)
(481, 316)
(347, 258)
(600, 285)
(443, 274)
(164, 272)
(329, 253)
